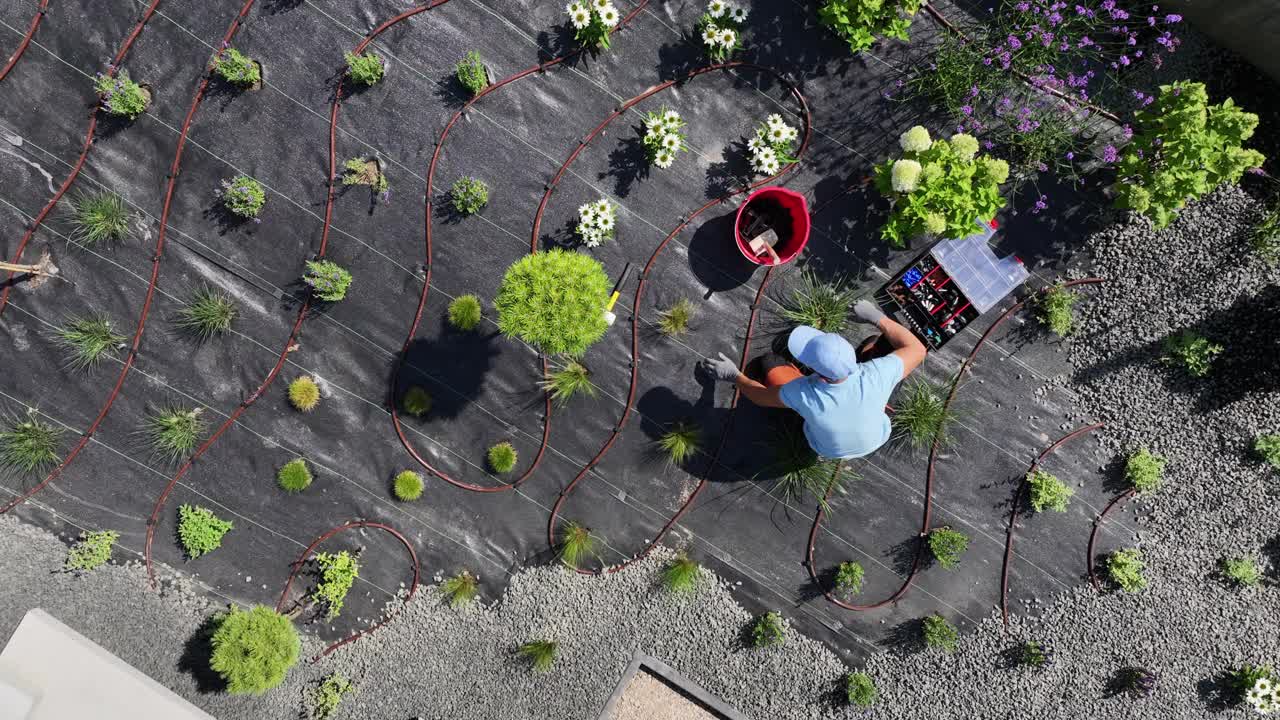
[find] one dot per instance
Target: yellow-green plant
(861, 22)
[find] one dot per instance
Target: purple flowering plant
(119, 95)
(243, 196)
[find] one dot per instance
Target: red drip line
(352, 525)
(929, 474)
(1093, 533)
(26, 39)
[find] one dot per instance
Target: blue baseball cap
(830, 355)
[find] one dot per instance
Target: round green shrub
(254, 649)
(555, 301)
(121, 96)
(304, 393)
(243, 196)
(365, 68)
(328, 280)
(502, 457)
(465, 312)
(238, 69)
(416, 401)
(294, 476)
(407, 485)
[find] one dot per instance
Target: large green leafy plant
(1184, 148)
(861, 22)
(939, 187)
(555, 301)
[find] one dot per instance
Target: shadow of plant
(196, 653)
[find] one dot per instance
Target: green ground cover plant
(681, 442)
(1242, 570)
(417, 401)
(199, 530)
(92, 551)
(799, 471)
(568, 379)
(327, 696)
(173, 431)
(338, 572)
(243, 196)
(767, 630)
(87, 340)
(254, 649)
(1125, 568)
(1034, 654)
(849, 577)
(469, 195)
(947, 546)
(407, 485)
(1055, 310)
(465, 312)
(294, 476)
(329, 281)
(1143, 470)
(502, 457)
(818, 304)
(921, 415)
(554, 300)
(1268, 448)
(471, 73)
(365, 69)
(120, 95)
(98, 217)
(29, 446)
(861, 22)
(577, 542)
(460, 589)
(238, 69)
(1048, 492)
(681, 575)
(540, 654)
(304, 394)
(674, 321)
(860, 690)
(367, 171)
(208, 313)
(939, 633)
(1190, 351)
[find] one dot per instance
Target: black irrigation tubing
(426, 286)
(640, 285)
(1093, 533)
(26, 39)
(929, 473)
(301, 562)
(84, 151)
(1013, 513)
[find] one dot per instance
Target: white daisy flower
(601, 4)
(664, 159)
(671, 141)
(591, 236)
(775, 120)
(580, 18)
(770, 167)
(777, 134)
(1254, 696)
(571, 7)
(1262, 685)
(767, 154)
(587, 212)
(605, 224)
(603, 208)
(711, 35)
(728, 38)
(754, 144)
(792, 133)
(717, 8)
(738, 14)
(609, 16)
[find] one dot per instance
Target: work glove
(868, 312)
(724, 368)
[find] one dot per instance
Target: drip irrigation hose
(426, 287)
(639, 295)
(929, 473)
(301, 562)
(41, 9)
(1013, 513)
(1093, 533)
(84, 150)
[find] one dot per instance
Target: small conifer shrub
(1143, 471)
(947, 546)
(338, 572)
(416, 401)
(1125, 568)
(304, 394)
(1268, 448)
(576, 543)
(465, 312)
(471, 73)
(939, 633)
(502, 457)
(407, 485)
(1242, 571)
(328, 696)
(767, 630)
(1048, 492)
(294, 476)
(860, 690)
(849, 577)
(254, 649)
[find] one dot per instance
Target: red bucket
(794, 204)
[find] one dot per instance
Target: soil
(647, 697)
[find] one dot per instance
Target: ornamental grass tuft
(99, 217)
(540, 654)
(173, 431)
(502, 457)
(208, 313)
(680, 443)
(947, 546)
(800, 472)
(461, 589)
(681, 575)
(922, 417)
(1048, 492)
(254, 649)
(416, 401)
(407, 485)
(822, 305)
(87, 340)
(92, 551)
(465, 312)
(576, 543)
(674, 321)
(30, 445)
(1054, 310)
(304, 394)
(555, 301)
(768, 630)
(568, 379)
(1143, 471)
(294, 476)
(199, 530)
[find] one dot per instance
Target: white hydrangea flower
(915, 140)
(905, 175)
(717, 8)
(609, 16)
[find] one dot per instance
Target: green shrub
(554, 300)
(338, 572)
(471, 73)
(818, 304)
(1183, 149)
(799, 470)
(304, 394)
(1125, 568)
(243, 196)
(366, 68)
(237, 69)
(1242, 571)
(328, 695)
(568, 379)
(1268, 448)
(92, 552)
(209, 313)
(674, 321)
(407, 485)
(938, 633)
(849, 578)
(860, 690)
(88, 339)
(328, 280)
(199, 530)
(121, 96)
(502, 457)
(767, 630)
(465, 312)
(680, 443)
(947, 546)
(540, 654)
(460, 589)
(294, 476)
(366, 171)
(1054, 310)
(939, 188)
(681, 574)
(861, 22)
(1034, 654)
(416, 401)
(576, 543)
(30, 446)
(96, 217)
(1143, 471)
(173, 431)
(253, 650)
(1191, 352)
(469, 195)
(1048, 492)
(921, 415)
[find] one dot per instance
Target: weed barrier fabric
(484, 386)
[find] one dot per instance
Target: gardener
(843, 401)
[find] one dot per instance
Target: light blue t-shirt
(847, 419)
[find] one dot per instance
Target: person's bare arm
(760, 394)
(905, 344)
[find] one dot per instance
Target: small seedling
(849, 578)
(96, 217)
(338, 572)
(254, 649)
(92, 552)
(681, 575)
(1034, 654)
(540, 654)
(30, 445)
(1135, 682)
(416, 401)
(87, 340)
(1048, 492)
(1191, 352)
(173, 431)
(243, 196)
(366, 68)
(860, 690)
(818, 304)
(328, 280)
(460, 589)
(471, 73)
(800, 472)
(209, 313)
(1125, 568)
(768, 630)
(674, 321)
(294, 476)
(199, 530)
(680, 442)
(1054, 310)
(922, 417)
(576, 543)
(502, 457)
(407, 485)
(1143, 471)
(238, 69)
(939, 633)
(1243, 571)
(947, 546)
(567, 380)
(328, 696)
(121, 96)
(1268, 448)
(304, 394)
(367, 171)
(465, 312)
(469, 195)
